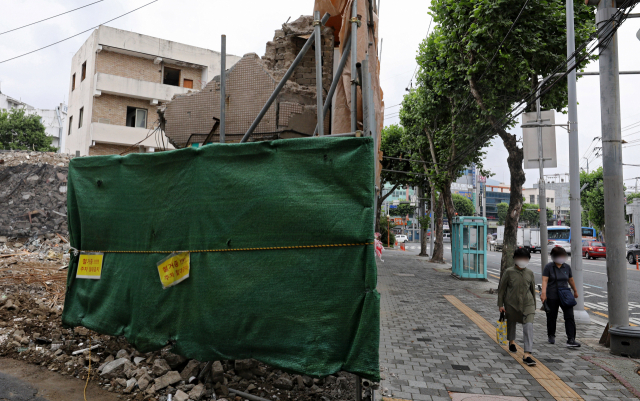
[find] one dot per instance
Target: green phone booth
(469, 248)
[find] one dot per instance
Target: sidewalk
(431, 348)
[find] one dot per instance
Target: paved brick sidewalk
(429, 348)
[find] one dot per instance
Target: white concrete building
(7, 103)
(532, 196)
(119, 78)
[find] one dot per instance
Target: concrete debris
(168, 379)
(33, 194)
(160, 367)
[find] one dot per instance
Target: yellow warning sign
(174, 269)
(90, 266)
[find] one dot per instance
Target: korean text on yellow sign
(174, 269)
(90, 266)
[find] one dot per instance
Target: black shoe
(572, 343)
(512, 348)
(529, 361)
(552, 339)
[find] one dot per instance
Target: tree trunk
(423, 230)
(381, 200)
(515, 159)
(448, 203)
(437, 255)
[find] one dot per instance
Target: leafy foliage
(503, 208)
(592, 197)
(531, 215)
(463, 205)
(403, 209)
(632, 196)
(384, 233)
(19, 131)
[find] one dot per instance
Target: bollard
(637, 263)
(402, 247)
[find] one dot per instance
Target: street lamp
(388, 233)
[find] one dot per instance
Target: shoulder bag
(564, 293)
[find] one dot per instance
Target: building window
(188, 83)
(551, 200)
(136, 118)
(171, 76)
(80, 117)
(70, 124)
(73, 82)
(84, 71)
(532, 199)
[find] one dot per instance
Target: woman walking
(557, 277)
(517, 298)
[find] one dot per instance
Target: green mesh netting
(313, 311)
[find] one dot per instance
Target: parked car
(562, 244)
(633, 254)
(401, 238)
(593, 249)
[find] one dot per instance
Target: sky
(42, 78)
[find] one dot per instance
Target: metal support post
(484, 200)
(358, 388)
(283, 82)
(477, 197)
(223, 87)
(319, 89)
(354, 72)
(612, 166)
(336, 80)
(542, 192)
(581, 316)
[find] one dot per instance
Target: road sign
(393, 206)
(530, 141)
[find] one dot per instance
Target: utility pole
(580, 315)
(542, 191)
(612, 166)
(484, 200)
(587, 159)
(477, 202)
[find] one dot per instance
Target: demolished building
(188, 119)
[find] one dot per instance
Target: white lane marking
(591, 271)
(591, 294)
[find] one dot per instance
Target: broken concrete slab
(170, 378)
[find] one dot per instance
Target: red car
(593, 249)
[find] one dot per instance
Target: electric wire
(77, 34)
(46, 19)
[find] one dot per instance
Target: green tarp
(313, 311)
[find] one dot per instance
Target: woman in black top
(558, 274)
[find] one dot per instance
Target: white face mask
(522, 263)
(560, 261)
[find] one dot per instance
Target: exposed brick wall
(124, 65)
(127, 66)
(101, 149)
(114, 109)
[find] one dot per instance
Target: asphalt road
(595, 281)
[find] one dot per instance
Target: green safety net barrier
(309, 305)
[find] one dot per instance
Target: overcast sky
(42, 79)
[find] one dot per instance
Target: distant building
(562, 204)
(119, 78)
(495, 195)
(8, 103)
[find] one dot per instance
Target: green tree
(632, 196)
(403, 209)
(463, 205)
(395, 167)
(19, 131)
(503, 208)
(531, 215)
(497, 73)
(592, 197)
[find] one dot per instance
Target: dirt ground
(51, 385)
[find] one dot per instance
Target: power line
(416, 70)
(37, 22)
(604, 34)
(70, 37)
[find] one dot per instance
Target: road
(595, 281)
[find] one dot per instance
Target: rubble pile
(31, 330)
(33, 194)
